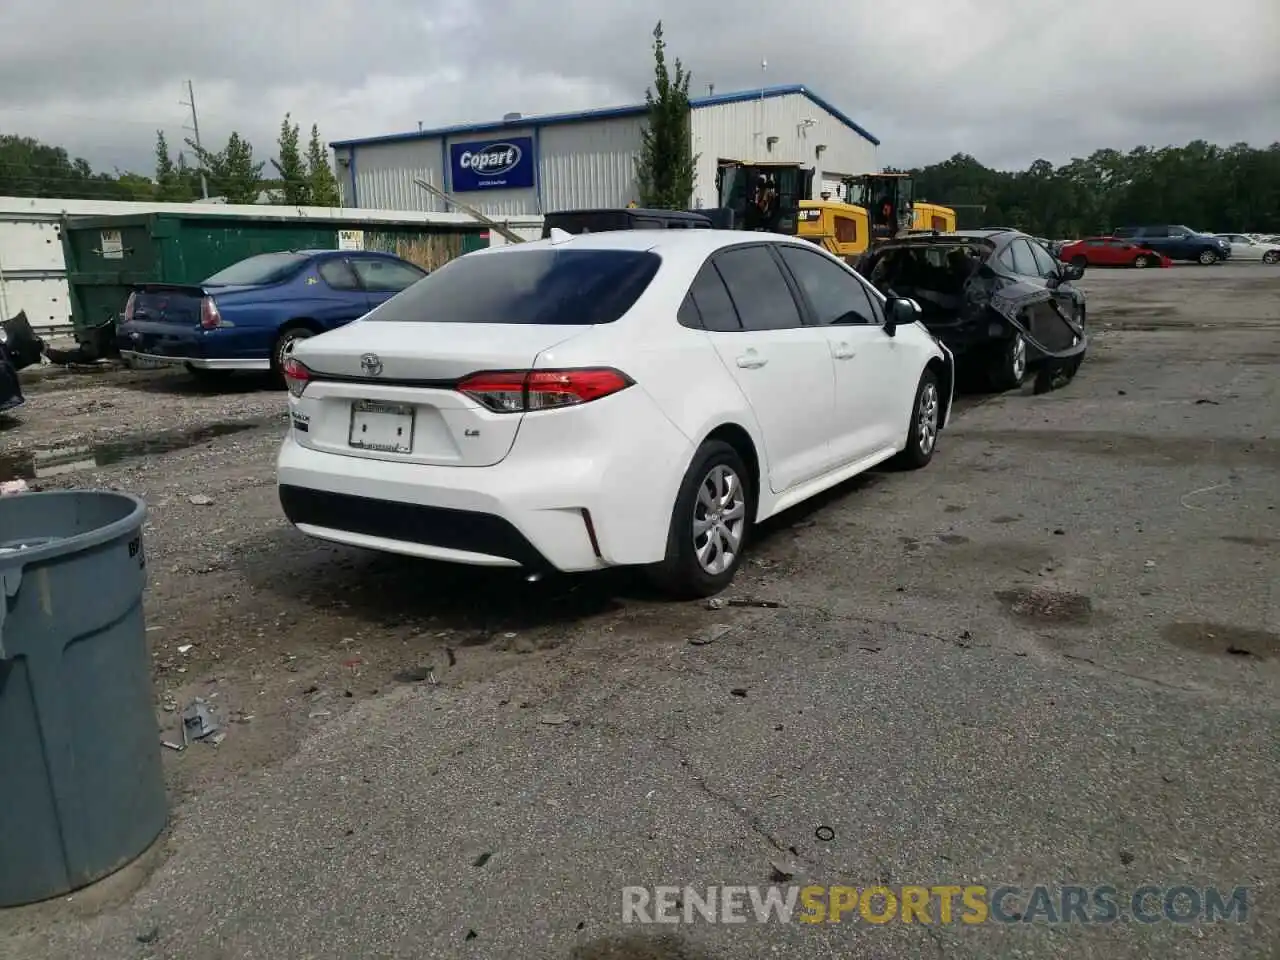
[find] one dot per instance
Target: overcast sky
(1005, 80)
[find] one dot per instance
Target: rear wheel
(284, 344)
(1208, 257)
(1271, 256)
(1008, 367)
(709, 524)
(1141, 262)
(926, 418)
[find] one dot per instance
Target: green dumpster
(81, 784)
(107, 256)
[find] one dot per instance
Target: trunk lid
(168, 303)
(387, 390)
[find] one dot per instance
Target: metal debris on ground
(780, 872)
(715, 603)
(711, 634)
(200, 500)
(186, 648)
(554, 719)
(753, 602)
(197, 721)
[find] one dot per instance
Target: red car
(1111, 252)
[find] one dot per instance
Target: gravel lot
(1049, 658)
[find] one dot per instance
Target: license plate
(385, 427)
(150, 363)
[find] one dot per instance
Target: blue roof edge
(610, 113)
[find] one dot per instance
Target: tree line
(1200, 185)
(300, 177)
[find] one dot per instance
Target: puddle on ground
(1224, 640)
(39, 464)
(1042, 605)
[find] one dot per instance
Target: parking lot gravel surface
(1051, 657)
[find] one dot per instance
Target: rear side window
(264, 268)
(553, 287)
(712, 301)
(386, 276)
(338, 275)
(758, 288)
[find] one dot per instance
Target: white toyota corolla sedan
(606, 399)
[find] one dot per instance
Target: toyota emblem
(371, 365)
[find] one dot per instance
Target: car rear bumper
(567, 500)
(155, 344)
(136, 358)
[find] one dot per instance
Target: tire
(922, 433)
(1208, 257)
(1008, 370)
(290, 335)
(1079, 261)
(1271, 256)
(1141, 262)
(682, 575)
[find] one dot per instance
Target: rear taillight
(522, 391)
(210, 318)
(128, 307)
(296, 376)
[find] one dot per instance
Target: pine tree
(296, 182)
(324, 185)
(170, 184)
(231, 171)
(666, 167)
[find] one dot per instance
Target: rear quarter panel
(677, 367)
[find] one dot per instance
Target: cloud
(1007, 81)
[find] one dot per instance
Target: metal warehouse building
(533, 165)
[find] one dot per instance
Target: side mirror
(899, 311)
(1071, 271)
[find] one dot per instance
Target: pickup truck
(1177, 242)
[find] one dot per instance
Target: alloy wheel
(1018, 357)
(719, 519)
(927, 418)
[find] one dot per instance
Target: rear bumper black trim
(466, 530)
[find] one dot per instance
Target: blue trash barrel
(81, 782)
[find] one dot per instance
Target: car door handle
(842, 351)
(751, 361)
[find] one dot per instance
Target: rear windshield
(264, 268)
(560, 287)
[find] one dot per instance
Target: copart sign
(492, 164)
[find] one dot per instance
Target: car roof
(673, 242)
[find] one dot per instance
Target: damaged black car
(998, 299)
(19, 348)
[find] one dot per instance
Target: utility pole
(195, 128)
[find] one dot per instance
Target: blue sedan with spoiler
(248, 316)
